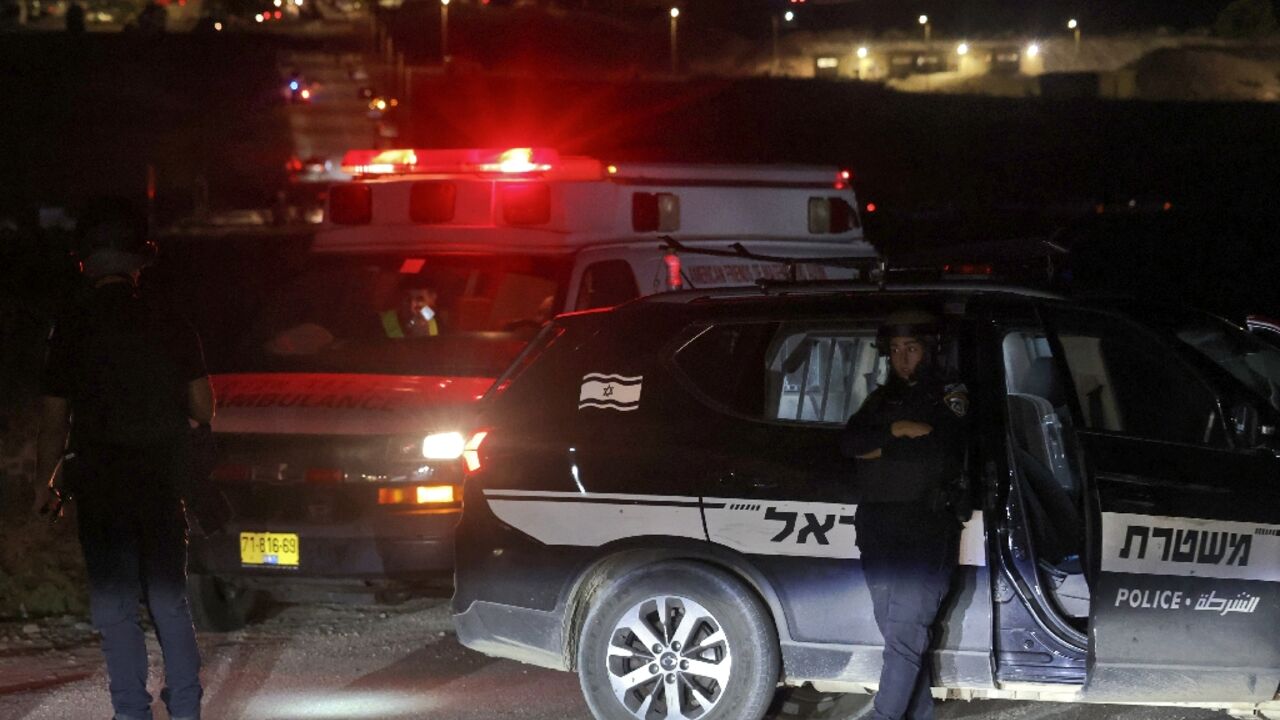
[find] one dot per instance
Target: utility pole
(444, 32)
(675, 40)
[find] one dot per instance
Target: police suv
(341, 413)
(656, 500)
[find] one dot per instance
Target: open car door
(1183, 528)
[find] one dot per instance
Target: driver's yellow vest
(391, 325)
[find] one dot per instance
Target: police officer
(908, 441)
(123, 378)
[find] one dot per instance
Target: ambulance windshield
(466, 315)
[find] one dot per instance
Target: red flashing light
(871, 207)
(519, 161)
(674, 279)
(278, 14)
(544, 162)
(1167, 206)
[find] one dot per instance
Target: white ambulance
(341, 427)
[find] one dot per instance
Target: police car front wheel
(678, 640)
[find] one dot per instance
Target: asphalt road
(336, 120)
(391, 663)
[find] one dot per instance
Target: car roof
(842, 289)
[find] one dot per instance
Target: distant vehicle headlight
(443, 446)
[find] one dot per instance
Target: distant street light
(1074, 27)
(928, 28)
(962, 49)
(789, 16)
(862, 53)
(444, 31)
(675, 39)
(1033, 50)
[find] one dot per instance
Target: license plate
(264, 548)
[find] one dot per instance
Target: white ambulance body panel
(771, 210)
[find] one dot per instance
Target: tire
(218, 605)
(732, 674)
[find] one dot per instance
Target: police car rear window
(726, 364)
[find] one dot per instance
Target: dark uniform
(907, 535)
(124, 365)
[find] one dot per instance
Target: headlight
(443, 446)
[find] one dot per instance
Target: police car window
(823, 376)
(726, 363)
(1127, 383)
(1249, 360)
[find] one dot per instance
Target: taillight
(443, 446)
(324, 476)
(350, 204)
(471, 453)
(417, 495)
(432, 201)
(525, 203)
(969, 269)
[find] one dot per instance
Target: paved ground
(336, 119)
(384, 663)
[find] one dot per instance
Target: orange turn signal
(416, 494)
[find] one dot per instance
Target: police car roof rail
(865, 265)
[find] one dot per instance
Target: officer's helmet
(112, 239)
(913, 323)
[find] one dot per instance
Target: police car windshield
(454, 315)
(1249, 360)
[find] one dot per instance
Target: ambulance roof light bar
(492, 162)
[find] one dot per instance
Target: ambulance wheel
(678, 640)
(218, 605)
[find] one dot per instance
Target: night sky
(975, 18)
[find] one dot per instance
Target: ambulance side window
(1128, 383)
(823, 376)
(605, 284)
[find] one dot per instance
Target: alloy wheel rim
(668, 657)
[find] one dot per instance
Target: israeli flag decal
(610, 392)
